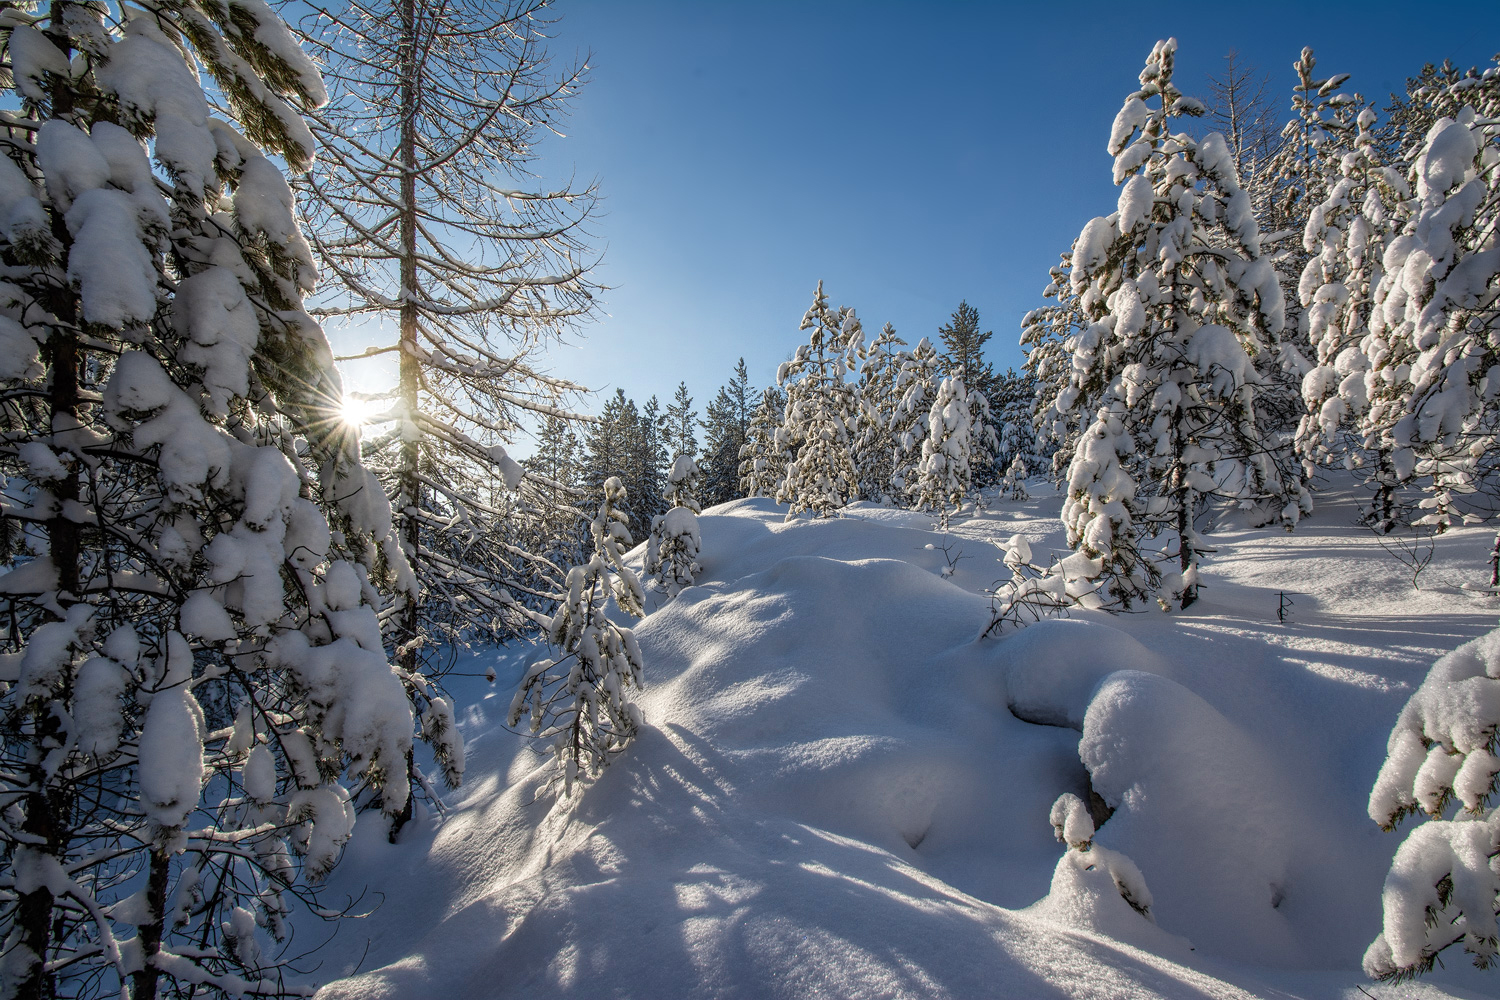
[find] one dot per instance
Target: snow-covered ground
(843, 791)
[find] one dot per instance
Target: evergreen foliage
(726, 429)
(764, 456)
(1181, 303)
(820, 410)
(196, 695)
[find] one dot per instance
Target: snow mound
(842, 791)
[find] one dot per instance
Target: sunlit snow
(841, 791)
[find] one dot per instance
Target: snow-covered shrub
(1072, 825)
(1013, 485)
(580, 699)
(1444, 884)
(672, 550)
(1098, 889)
(1034, 592)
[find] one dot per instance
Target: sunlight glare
(356, 411)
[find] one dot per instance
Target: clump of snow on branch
(1444, 884)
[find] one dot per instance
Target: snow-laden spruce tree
(680, 425)
(821, 407)
(672, 550)
(1180, 302)
(420, 217)
(963, 357)
(918, 374)
(580, 699)
(1046, 334)
(764, 455)
(194, 693)
(1436, 317)
(874, 458)
(944, 475)
(726, 428)
(1443, 888)
(1299, 176)
(1016, 397)
(1347, 234)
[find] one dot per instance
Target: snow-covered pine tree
(580, 699)
(1438, 91)
(763, 457)
(415, 216)
(820, 411)
(1347, 234)
(964, 358)
(1046, 334)
(194, 689)
(645, 471)
(874, 458)
(1435, 317)
(726, 428)
(560, 528)
(963, 354)
(984, 442)
(1298, 174)
(919, 372)
(681, 425)
(1297, 179)
(1016, 396)
(1181, 302)
(945, 475)
(672, 550)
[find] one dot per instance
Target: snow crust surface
(842, 791)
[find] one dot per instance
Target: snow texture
(839, 791)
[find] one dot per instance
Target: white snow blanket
(841, 791)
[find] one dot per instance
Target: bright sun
(356, 410)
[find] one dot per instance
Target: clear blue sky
(909, 155)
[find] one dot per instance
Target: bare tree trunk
(148, 976)
(409, 499)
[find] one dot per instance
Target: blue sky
(909, 155)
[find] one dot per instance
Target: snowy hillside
(843, 792)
